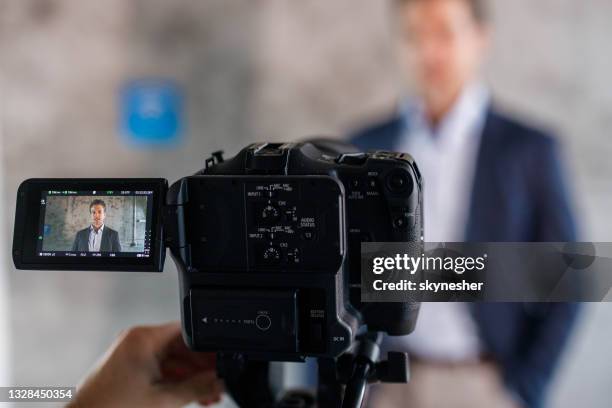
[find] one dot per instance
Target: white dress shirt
(95, 238)
(446, 157)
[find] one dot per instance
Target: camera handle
(358, 369)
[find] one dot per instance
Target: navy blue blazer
(109, 243)
(519, 195)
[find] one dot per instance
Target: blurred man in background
(488, 178)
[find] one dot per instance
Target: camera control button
(271, 255)
(400, 222)
(308, 235)
(263, 322)
(372, 182)
(270, 214)
(399, 181)
(355, 183)
(294, 256)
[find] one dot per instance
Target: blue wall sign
(151, 112)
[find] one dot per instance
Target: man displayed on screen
(97, 237)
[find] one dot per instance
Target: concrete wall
(261, 70)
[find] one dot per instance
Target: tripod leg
(356, 387)
(247, 382)
(329, 392)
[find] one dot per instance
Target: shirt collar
(101, 229)
(469, 110)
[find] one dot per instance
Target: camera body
(267, 245)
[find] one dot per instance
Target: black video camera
(267, 244)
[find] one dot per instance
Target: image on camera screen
(95, 223)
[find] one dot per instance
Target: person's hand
(152, 367)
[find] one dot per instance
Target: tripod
(342, 381)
